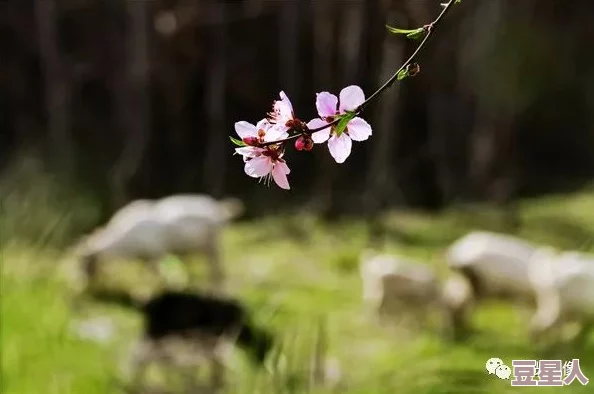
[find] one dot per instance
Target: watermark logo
(538, 372)
(495, 366)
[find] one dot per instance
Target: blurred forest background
(135, 99)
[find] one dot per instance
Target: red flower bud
(308, 144)
(251, 141)
(304, 142)
(300, 143)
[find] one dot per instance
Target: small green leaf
(457, 1)
(343, 122)
(237, 142)
(416, 34)
(396, 30)
(402, 74)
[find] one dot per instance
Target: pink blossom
(269, 164)
(282, 114)
(264, 162)
(328, 106)
(263, 131)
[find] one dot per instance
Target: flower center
(275, 152)
(331, 119)
(333, 129)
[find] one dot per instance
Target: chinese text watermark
(538, 372)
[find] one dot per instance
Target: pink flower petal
(351, 97)
(326, 103)
(279, 174)
(284, 166)
(263, 124)
(258, 167)
(245, 151)
(340, 147)
(284, 109)
(276, 132)
(245, 129)
(319, 136)
(286, 100)
(358, 129)
(249, 151)
(315, 123)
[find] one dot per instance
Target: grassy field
(295, 272)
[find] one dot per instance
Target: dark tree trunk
(57, 87)
(326, 31)
(289, 62)
(381, 182)
(132, 101)
(216, 155)
(493, 136)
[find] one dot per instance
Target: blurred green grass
(292, 271)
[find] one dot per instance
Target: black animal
(200, 319)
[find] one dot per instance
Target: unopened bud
(304, 142)
(308, 144)
(251, 141)
(413, 69)
(299, 143)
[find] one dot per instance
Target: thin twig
(430, 29)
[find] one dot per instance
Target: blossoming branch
(262, 146)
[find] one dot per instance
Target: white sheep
(564, 285)
(393, 285)
(496, 268)
(149, 230)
